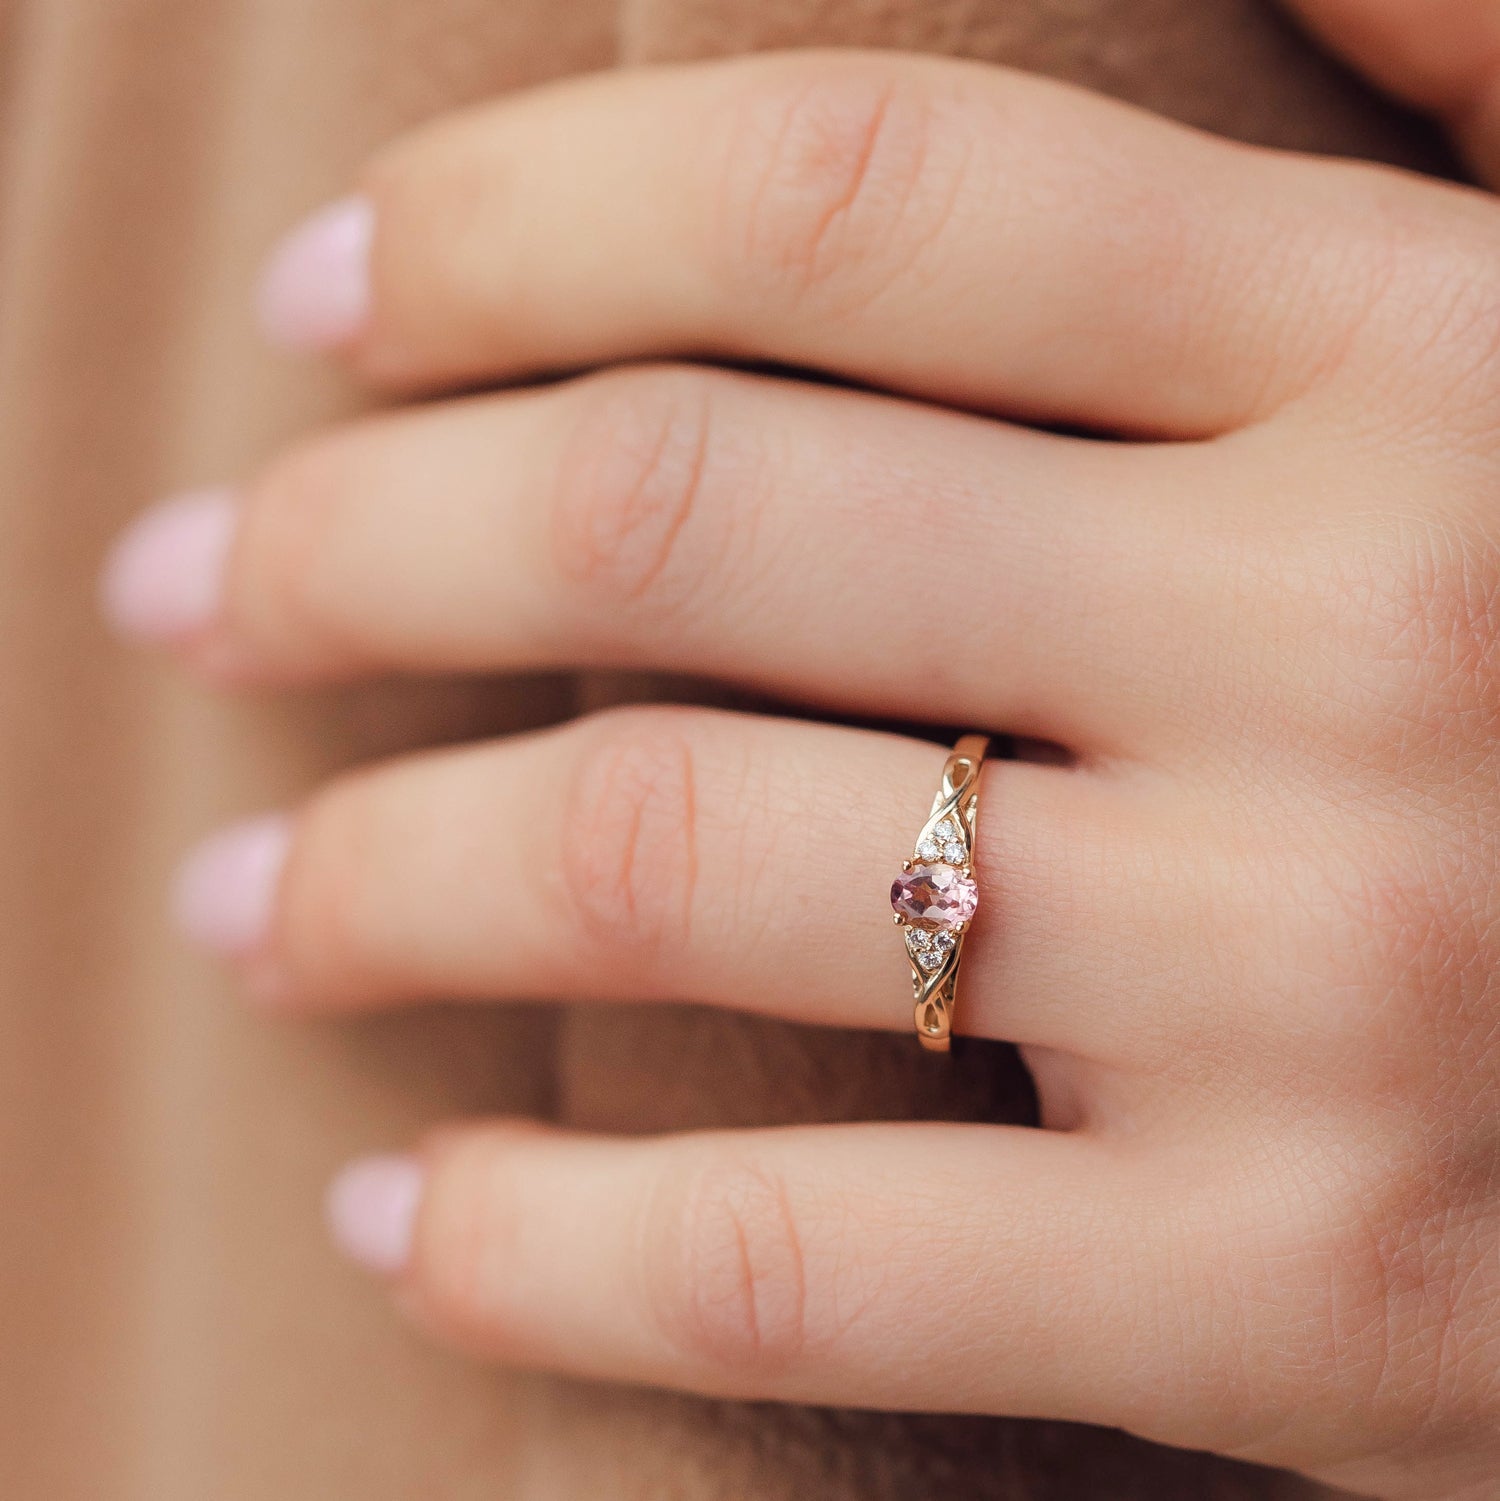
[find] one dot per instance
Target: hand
(1246, 936)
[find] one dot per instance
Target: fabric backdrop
(172, 1325)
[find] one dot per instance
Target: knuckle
(630, 846)
(1410, 937)
(1399, 1281)
(1388, 927)
(825, 188)
(1426, 329)
(298, 511)
(1359, 1274)
(1406, 612)
(1441, 611)
(725, 1268)
(629, 487)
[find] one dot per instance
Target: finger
(752, 530)
(946, 1268)
(971, 235)
(685, 855)
(1442, 56)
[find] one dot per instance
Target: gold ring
(936, 896)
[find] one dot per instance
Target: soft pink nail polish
(372, 1211)
(164, 577)
(315, 290)
(226, 889)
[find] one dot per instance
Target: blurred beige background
(172, 1326)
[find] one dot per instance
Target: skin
(1245, 932)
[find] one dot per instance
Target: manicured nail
(315, 289)
(164, 577)
(226, 889)
(372, 1210)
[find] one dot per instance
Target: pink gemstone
(934, 896)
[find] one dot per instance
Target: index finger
(946, 229)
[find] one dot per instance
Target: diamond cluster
(929, 949)
(944, 843)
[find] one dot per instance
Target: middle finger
(756, 530)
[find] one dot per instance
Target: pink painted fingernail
(164, 577)
(226, 889)
(372, 1211)
(315, 290)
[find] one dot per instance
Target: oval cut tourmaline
(934, 896)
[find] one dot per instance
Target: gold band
(936, 895)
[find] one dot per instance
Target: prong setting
(936, 894)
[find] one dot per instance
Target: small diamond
(928, 850)
(943, 941)
(930, 958)
(945, 831)
(954, 853)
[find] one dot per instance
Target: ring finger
(697, 856)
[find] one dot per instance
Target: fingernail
(372, 1211)
(164, 577)
(315, 290)
(226, 889)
